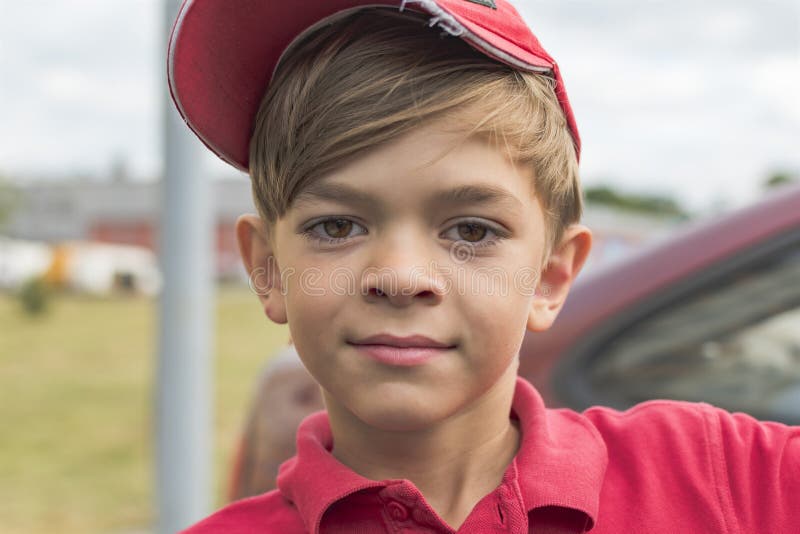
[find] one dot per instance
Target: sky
(696, 100)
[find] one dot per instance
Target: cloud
(81, 86)
(776, 79)
(694, 99)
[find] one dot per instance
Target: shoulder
(691, 424)
(698, 453)
(656, 436)
(651, 418)
(269, 512)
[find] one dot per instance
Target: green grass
(76, 390)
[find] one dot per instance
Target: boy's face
(402, 254)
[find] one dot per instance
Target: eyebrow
(482, 194)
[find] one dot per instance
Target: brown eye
(338, 227)
(471, 231)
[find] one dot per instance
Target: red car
(710, 314)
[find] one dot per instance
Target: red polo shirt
(661, 467)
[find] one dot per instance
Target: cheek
(308, 296)
(316, 321)
(505, 317)
(497, 313)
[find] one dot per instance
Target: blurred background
(687, 112)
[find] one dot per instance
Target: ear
(562, 267)
(257, 251)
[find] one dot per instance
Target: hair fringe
(368, 78)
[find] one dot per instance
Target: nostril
(426, 293)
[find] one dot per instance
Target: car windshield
(735, 345)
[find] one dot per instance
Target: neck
(454, 463)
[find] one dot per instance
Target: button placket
(407, 510)
(397, 511)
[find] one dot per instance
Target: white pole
(183, 396)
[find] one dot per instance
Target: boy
(414, 166)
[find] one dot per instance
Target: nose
(402, 271)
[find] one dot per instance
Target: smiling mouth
(413, 340)
(400, 356)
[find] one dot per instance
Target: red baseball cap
(222, 54)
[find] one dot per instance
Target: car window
(735, 343)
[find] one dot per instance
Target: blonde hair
(369, 77)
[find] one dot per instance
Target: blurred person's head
(285, 393)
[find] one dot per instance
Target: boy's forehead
(448, 162)
(435, 164)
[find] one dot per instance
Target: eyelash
(309, 234)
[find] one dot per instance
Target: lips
(403, 351)
(416, 340)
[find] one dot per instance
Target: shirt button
(397, 511)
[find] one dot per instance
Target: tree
(649, 204)
(777, 179)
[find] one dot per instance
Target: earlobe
(557, 277)
(258, 256)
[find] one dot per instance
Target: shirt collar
(562, 458)
(561, 462)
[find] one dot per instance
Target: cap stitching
(448, 22)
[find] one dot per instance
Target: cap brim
(217, 84)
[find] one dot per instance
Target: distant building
(122, 212)
(21, 259)
(84, 266)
